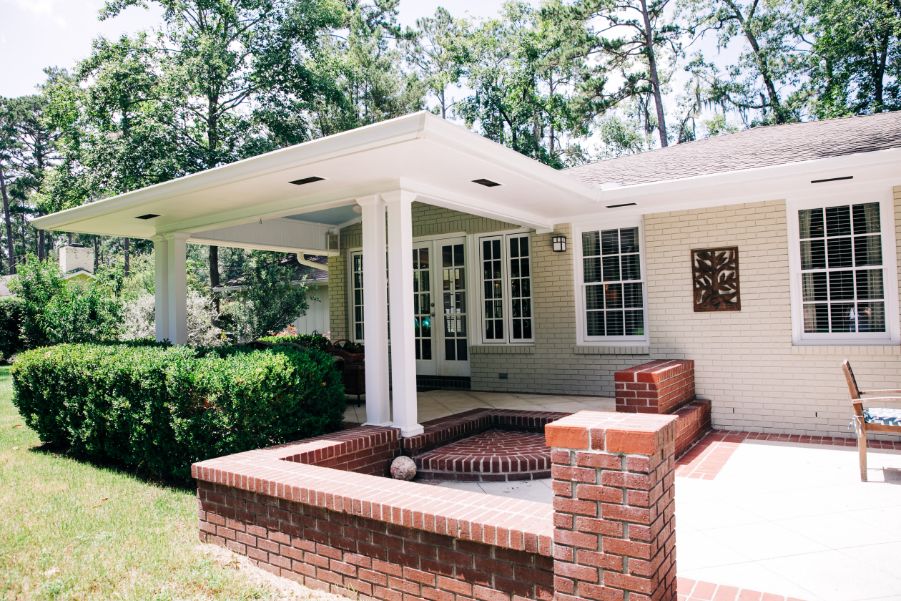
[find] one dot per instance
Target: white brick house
(480, 297)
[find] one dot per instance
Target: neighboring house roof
(313, 276)
(749, 149)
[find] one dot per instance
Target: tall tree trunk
(10, 245)
(879, 75)
(41, 245)
(96, 253)
(126, 250)
(762, 66)
(652, 73)
(212, 144)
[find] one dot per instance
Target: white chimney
(76, 258)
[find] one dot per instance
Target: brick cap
(628, 433)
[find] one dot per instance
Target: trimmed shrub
(11, 341)
(157, 409)
(317, 341)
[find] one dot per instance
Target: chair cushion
(882, 416)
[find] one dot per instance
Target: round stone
(403, 468)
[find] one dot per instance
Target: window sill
(502, 349)
(612, 349)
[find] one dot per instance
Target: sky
(35, 34)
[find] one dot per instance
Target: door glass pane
(453, 285)
(422, 304)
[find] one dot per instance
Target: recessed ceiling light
(307, 180)
(485, 182)
(619, 206)
(147, 216)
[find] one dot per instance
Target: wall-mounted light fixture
(558, 243)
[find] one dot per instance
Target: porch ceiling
(418, 152)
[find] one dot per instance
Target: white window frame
(479, 313)
(839, 195)
(582, 337)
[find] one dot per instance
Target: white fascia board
(386, 133)
(480, 207)
(735, 187)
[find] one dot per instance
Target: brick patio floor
(764, 519)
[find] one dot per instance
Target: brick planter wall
(608, 535)
(655, 387)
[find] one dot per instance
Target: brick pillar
(614, 527)
(660, 386)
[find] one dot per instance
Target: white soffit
(419, 151)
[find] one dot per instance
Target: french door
(440, 307)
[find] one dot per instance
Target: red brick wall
(365, 450)
(656, 387)
(355, 556)
(693, 421)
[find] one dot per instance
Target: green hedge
(157, 409)
(11, 313)
(317, 341)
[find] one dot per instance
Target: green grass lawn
(71, 530)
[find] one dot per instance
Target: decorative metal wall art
(715, 279)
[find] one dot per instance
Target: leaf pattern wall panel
(715, 279)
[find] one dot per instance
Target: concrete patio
(757, 518)
(440, 403)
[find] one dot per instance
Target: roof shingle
(749, 149)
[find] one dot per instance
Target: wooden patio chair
(870, 418)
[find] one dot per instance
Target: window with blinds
(842, 276)
(612, 284)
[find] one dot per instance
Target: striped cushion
(885, 417)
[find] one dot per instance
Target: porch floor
(440, 403)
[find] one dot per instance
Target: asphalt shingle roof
(752, 148)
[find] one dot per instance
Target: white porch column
(403, 349)
(176, 254)
(161, 288)
(375, 311)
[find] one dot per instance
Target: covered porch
(298, 199)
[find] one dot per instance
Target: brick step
(693, 421)
(490, 456)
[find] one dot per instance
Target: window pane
(842, 317)
(613, 296)
(871, 317)
(868, 250)
(841, 285)
(591, 244)
(816, 318)
(610, 242)
(595, 323)
(811, 223)
(594, 297)
(611, 269)
(814, 287)
(869, 284)
(838, 221)
(632, 296)
(866, 218)
(813, 254)
(631, 267)
(839, 252)
(592, 270)
(629, 240)
(634, 323)
(615, 325)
